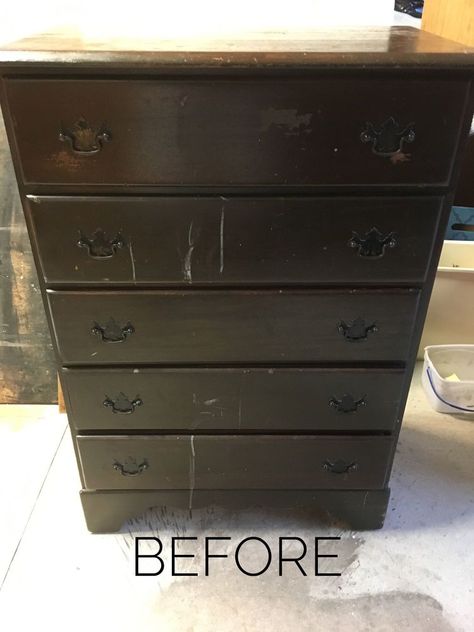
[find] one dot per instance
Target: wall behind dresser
(27, 373)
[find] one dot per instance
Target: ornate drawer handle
(84, 138)
(373, 243)
(112, 332)
(347, 403)
(357, 330)
(388, 138)
(339, 467)
(121, 405)
(124, 470)
(99, 246)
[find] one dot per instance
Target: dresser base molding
(360, 510)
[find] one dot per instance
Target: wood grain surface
(233, 462)
(231, 240)
(224, 400)
(453, 19)
(237, 132)
(226, 327)
(82, 49)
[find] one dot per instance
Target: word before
(151, 557)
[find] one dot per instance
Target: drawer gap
(232, 432)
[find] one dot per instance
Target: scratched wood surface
(235, 133)
(236, 241)
(27, 373)
(105, 44)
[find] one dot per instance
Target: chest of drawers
(236, 246)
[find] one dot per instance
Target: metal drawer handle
(112, 332)
(339, 467)
(347, 403)
(121, 405)
(373, 243)
(85, 139)
(388, 138)
(357, 330)
(131, 469)
(99, 246)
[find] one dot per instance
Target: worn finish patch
(290, 121)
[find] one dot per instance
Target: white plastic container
(449, 319)
(448, 378)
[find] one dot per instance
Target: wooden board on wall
(27, 371)
(453, 19)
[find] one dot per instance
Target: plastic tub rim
(457, 346)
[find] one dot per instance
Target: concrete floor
(414, 574)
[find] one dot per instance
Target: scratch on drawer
(132, 262)
(211, 402)
(192, 475)
(289, 120)
(187, 263)
(240, 410)
(243, 378)
(221, 241)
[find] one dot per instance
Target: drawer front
(233, 326)
(335, 400)
(170, 240)
(313, 131)
(234, 462)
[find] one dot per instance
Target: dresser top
(78, 49)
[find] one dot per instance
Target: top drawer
(312, 131)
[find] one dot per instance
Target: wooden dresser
(237, 242)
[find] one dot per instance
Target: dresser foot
(359, 510)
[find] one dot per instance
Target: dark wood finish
(233, 326)
(233, 462)
(204, 400)
(390, 48)
(231, 241)
(254, 120)
(236, 132)
(107, 511)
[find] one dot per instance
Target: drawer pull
(121, 405)
(373, 243)
(85, 139)
(99, 246)
(339, 467)
(131, 469)
(357, 330)
(388, 138)
(347, 403)
(112, 332)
